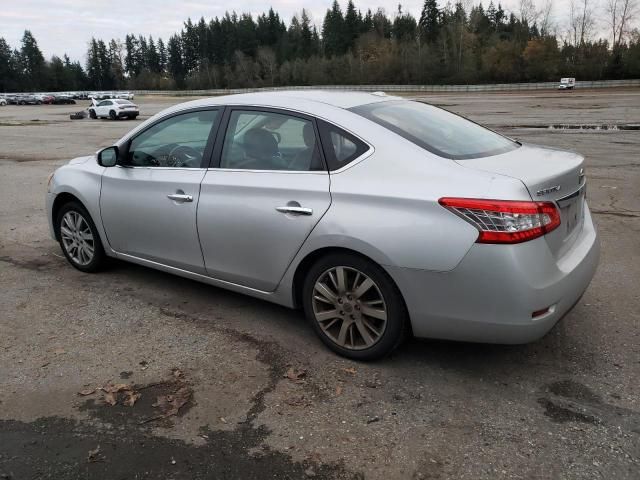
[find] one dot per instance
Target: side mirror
(108, 157)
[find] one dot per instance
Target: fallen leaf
(84, 393)
(111, 398)
(59, 351)
(295, 374)
(177, 373)
(93, 455)
(131, 399)
(349, 370)
(170, 405)
(339, 390)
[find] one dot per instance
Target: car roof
(293, 99)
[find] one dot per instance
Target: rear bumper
(491, 295)
(128, 114)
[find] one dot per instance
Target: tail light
(505, 221)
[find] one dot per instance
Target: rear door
(148, 202)
(267, 189)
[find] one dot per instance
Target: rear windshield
(123, 102)
(436, 130)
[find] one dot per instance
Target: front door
(269, 189)
(148, 203)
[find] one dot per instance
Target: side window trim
(211, 140)
(216, 156)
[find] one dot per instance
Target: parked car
(63, 100)
(45, 98)
(3, 102)
(124, 95)
(114, 109)
(28, 100)
(377, 215)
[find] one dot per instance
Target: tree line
(450, 44)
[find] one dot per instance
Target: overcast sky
(66, 26)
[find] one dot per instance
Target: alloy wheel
(349, 308)
(77, 238)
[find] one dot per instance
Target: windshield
(436, 130)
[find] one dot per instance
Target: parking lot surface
(233, 387)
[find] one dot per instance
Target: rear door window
(266, 140)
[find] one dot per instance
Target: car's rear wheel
(354, 306)
(112, 115)
(79, 238)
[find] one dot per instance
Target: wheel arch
(62, 199)
(310, 258)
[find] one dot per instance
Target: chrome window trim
(161, 168)
(289, 172)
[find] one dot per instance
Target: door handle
(180, 197)
(295, 210)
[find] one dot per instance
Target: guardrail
(495, 87)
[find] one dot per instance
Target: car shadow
(559, 350)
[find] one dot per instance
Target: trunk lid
(549, 175)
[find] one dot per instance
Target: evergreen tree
(162, 56)
(32, 62)
(351, 26)
(9, 72)
(404, 26)
(152, 57)
(429, 21)
(175, 62)
(131, 59)
(333, 31)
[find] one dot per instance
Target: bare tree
(529, 12)
(621, 14)
(581, 21)
(546, 15)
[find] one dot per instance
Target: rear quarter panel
(388, 204)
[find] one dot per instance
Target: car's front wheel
(354, 306)
(92, 114)
(112, 115)
(79, 238)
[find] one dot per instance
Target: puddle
(604, 127)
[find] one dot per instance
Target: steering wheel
(183, 156)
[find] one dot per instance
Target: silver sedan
(379, 217)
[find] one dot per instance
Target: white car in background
(113, 109)
(124, 95)
(3, 102)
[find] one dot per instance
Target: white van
(567, 84)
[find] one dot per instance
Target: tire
(39, 102)
(382, 299)
(79, 256)
(133, 117)
(92, 114)
(112, 115)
